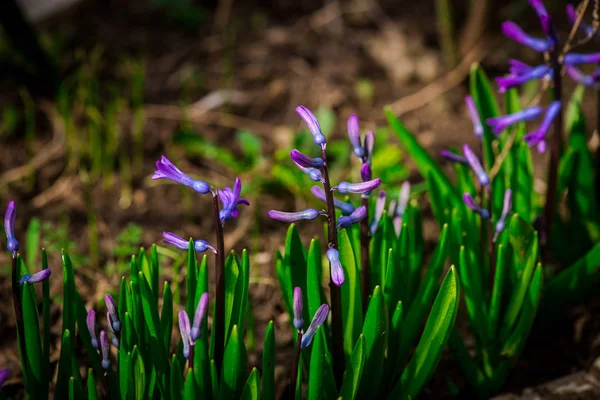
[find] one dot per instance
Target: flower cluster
(520, 73)
(189, 335)
(101, 343)
(318, 319)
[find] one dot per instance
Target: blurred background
(92, 92)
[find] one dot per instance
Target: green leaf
(285, 281)
(485, 100)
(522, 181)
(190, 391)
(375, 330)
(353, 374)
(47, 325)
(503, 265)
(235, 367)
(91, 386)
(351, 296)
(232, 274)
(176, 382)
(191, 279)
(268, 363)
(166, 317)
(314, 287)
(295, 261)
(252, 387)
(32, 241)
(432, 343)
(320, 376)
(139, 373)
(33, 345)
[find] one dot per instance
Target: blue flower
(450, 156)
(319, 193)
(9, 227)
(305, 161)
(111, 328)
(510, 81)
(538, 137)
(318, 320)
(354, 136)
(379, 209)
(308, 214)
(360, 188)
(313, 125)
(104, 350)
(588, 30)
(90, 321)
(577, 59)
(475, 165)
(184, 330)
(36, 278)
(231, 200)
(356, 216)
(506, 206)
(514, 32)
(586, 80)
(111, 306)
(483, 213)
(502, 122)
(298, 321)
(165, 169)
(403, 198)
(474, 114)
(337, 272)
(199, 316)
(199, 245)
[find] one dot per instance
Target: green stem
(294, 377)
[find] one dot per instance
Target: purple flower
(361, 188)
(184, 330)
(586, 80)
(474, 114)
(475, 207)
(403, 198)
(201, 309)
(90, 321)
(356, 216)
(450, 156)
(588, 30)
(514, 32)
(104, 350)
(475, 165)
(345, 207)
(365, 172)
(379, 208)
(231, 200)
(114, 335)
(111, 306)
(308, 214)
(165, 169)
(4, 374)
(354, 136)
(9, 227)
(517, 67)
(501, 123)
(314, 173)
(312, 123)
(318, 320)
(369, 145)
(577, 59)
(337, 272)
(538, 136)
(35, 278)
(298, 321)
(510, 81)
(506, 206)
(305, 161)
(199, 245)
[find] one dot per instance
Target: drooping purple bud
(392, 208)
(114, 335)
(379, 208)
(483, 213)
(313, 125)
(199, 317)
(356, 216)
(306, 161)
(588, 30)
(337, 272)
(577, 59)
(314, 173)
(365, 172)
(475, 165)
(540, 9)
(506, 206)
(354, 136)
(9, 227)
(514, 32)
(36, 278)
(501, 123)
(510, 81)
(539, 135)
(105, 350)
(90, 321)
(403, 198)
(111, 306)
(586, 80)
(318, 320)
(345, 207)
(184, 330)
(308, 214)
(298, 321)
(517, 67)
(369, 145)
(360, 188)
(4, 374)
(199, 245)
(165, 169)
(450, 156)
(230, 199)
(474, 114)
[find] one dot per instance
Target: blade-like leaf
(353, 375)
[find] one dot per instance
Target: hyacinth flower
(514, 32)
(313, 125)
(588, 30)
(517, 67)
(165, 169)
(230, 198)
(453, 157)
(503, 122)
(591, 81)
(9, 227)
(105, 351)
(111, 306)
(289, 217)
(186, 339)
(199, 316)
(318, 320)
(379, 209)
(506, 207)
(298, 321)
(114, 336)
(510, 81)
(403, 197)
(474, 115)
(538, 137)
(346, 221)
(345, 207)
(475, 165)
(468, 199)
(4, 374)
(199, 245)
(90, 322)
(357, 188)
(35, 278)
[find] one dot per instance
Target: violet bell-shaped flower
(498, 124)
(199, 316)
(360, 188)
(450, 156)
(588, 30)
(403, 198)
(114, 336)
(591, 81)
(9, 227)
(345, 207)
(379, 209)
(165, 169)
(184, 330)
(517, 67)
(199, 245)
(314, 173)
(369, 145)
(538, 137)
(298, 321)
(289, 217)
(475, 165)
(578, 59)
(313, 125)
(231, 200)
(506, 206)
(365, 172)
(514, 32)
(510, 81)
(35, 278)
(318, 320)
(545, 19)
(104, 350)
(347, 221)
(337, 272)
(468, 199)
(111, 306)
(474, 115)
(90, 321)
(305, 161)
(354, 136)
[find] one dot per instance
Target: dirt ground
(251, 67)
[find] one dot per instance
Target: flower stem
(336, 294)
(364, 255)
(18, 311)
(191, 358)
(294, 376)
(218, 327)
(105, 381)
(555, 149)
